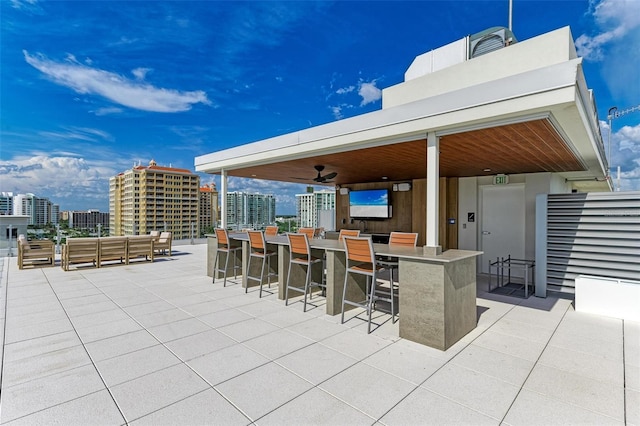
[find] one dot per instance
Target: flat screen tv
(370, 203)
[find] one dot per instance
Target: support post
(433, 183)
(10, 254)
(223, 199)
(541, 246)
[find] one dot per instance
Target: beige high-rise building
(208, 207)
(154, 198)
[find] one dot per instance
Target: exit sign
(500, 179)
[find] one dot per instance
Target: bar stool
(401, 239)
(224, 246)
(271, 231)
(259, 251)
(300, 254)
(309, 232)
(348, 233)
(361, 260)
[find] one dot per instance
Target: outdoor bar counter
(437, 296)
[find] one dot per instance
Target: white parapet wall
(608, 296)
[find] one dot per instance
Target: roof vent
(489, 40)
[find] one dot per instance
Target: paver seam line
(536, 363)
(317, 386)
(86, 351)
(56, 405)
(274, 360)
(84, 365)
(182, 361)
(314, 386)
(324, 391)
(4, 282)
(172, 352)
(446, 363)
(74, 329)
(624, 378)
(184, 399)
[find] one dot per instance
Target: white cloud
(121, 90)
(26, 5)
(629, 137)
(344, 90)
(107, 111)
(62, 179)
(369, 92)
(625, 153)
(337, 112)
(71, 58)
(140, 73)
(123, 41)
(615, 19)
(78, 134)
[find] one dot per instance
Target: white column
(433, 185)
(223, 199)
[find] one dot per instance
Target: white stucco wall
(469, 201)
(547, 49)
(18, 222)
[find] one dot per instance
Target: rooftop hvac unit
(489, 40)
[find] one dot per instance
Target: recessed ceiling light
(486, 170)
(384, 178)
(254, 175)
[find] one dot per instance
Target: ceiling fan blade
(329, 176)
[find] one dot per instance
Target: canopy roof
(534, 116)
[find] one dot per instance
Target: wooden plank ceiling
(527, 147)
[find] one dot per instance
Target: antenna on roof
(510, 15)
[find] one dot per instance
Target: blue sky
(90, 88)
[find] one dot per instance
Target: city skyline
(91, 88)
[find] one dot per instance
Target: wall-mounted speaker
(401, 187)
(344, 191)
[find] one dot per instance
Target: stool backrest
(348, 233)
(271, 231)
(256, 238)
(317, 232)
(359, 250)
(299, 244)
(407, 239)
(222, 236)
(309, 232)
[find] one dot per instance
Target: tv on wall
(370, 203)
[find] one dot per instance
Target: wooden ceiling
(527, 147)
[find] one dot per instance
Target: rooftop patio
(158, 343)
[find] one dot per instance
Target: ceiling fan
(321, 179)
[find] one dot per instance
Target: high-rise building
(316, 209)
(6, 203)
(40, 210)
(246, 210)
(154, 198)
(87, 219)
(208, 207)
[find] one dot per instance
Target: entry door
(503, 224)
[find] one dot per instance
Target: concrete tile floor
(160, 344)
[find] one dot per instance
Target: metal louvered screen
(592, 234)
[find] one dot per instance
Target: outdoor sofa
(33, 253)
(97, 251)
